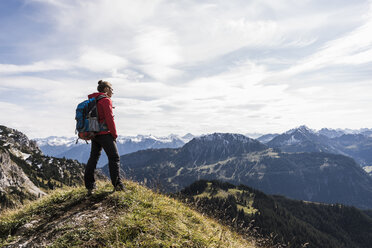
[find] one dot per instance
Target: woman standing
(105, 139)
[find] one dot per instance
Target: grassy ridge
(136, 217)
(283, 221)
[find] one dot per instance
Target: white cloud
(157, 50)
(37, 84)
(351, 49)
(99, 61)
(169, 33)
(157, 46)
(90, 58)
(39, 66)
(191, 66)
(202, 103)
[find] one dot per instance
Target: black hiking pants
(107, 142)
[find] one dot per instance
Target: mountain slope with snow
(356, 144)
(302, 139)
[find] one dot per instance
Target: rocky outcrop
(15, 186)
(26, 174)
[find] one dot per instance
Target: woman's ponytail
(102, 85)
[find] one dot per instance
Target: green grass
(220, 193)
(137, 217)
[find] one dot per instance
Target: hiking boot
(91, 190)
(119, 187)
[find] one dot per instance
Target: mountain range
(318, 176)
(356, 144)
(329, 132)
(68, 147)
(302, 139)
(235, 158)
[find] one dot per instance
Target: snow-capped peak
(188, 136)
(302, 129)
(162, 139)
(70, 141)
(225, 137)
(56, 141)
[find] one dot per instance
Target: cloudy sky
(239, 66)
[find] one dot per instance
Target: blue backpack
(87, 125)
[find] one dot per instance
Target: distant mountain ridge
(355, 144)
(328, 132)
(302, 139)
(66, 146)
(218, 146)
(237, 159)
(267, 137)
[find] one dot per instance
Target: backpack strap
(103, 126)
(96, 101)
(100, 97)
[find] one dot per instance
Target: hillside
(234, 158)
(26, 174)
(289, 222)
(357, 146)
(137, 217)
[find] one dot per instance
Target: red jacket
(104, 107)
